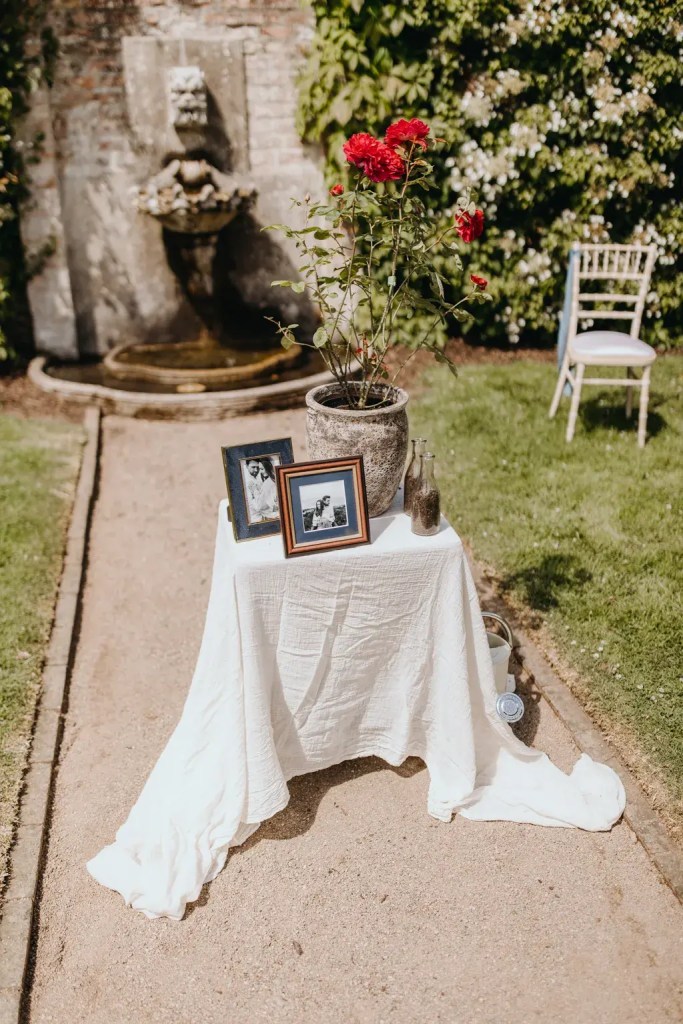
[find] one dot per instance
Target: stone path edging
(26, 852)
(640, 814)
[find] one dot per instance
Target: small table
(376, 650)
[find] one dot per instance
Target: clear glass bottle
(425, 515)
(412, 477)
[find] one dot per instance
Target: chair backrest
(627, 268)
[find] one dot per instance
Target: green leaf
(281, 284)
(284, 228)
(320, 338)
(436, 281)
(298, 287)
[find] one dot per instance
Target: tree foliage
(565, 117)
(26, 55)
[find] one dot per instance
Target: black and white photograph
(323, 506)
(260, 489)
(251, 478)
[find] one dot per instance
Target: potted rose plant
(371, 260)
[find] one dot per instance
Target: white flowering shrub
(566, 118)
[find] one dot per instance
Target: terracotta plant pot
(379, 434)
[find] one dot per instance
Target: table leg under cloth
(308, 662)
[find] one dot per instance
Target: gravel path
(352, 905)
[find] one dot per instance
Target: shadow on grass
(540, 586)
(597, 414)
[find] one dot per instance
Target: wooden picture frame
(323, 505)
(254, 507)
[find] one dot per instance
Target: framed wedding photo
(250, 475)
(323, 505)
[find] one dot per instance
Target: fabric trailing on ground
(304, 663)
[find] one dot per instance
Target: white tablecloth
(377, 650)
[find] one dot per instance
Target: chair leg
(629, 394)
(642, 410)
(576, 398)
(561, 381)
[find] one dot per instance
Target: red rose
(478, 282)
(401, 132)
(469, 225)
(337, 190)
(375, 159)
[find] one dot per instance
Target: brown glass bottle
(412, 477)
(425, 514)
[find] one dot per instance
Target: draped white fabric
(377, 650)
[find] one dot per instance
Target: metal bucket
(501, 649)
(509, 705)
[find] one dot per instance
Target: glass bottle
(412, 477)
(426, 509)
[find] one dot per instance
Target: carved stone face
(187, 91)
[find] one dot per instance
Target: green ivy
(26, 56)
(564, 117)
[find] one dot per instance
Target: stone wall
(108, 281)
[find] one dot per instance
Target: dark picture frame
(323, 505)
(252, 485)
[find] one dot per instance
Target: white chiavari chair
(627, 270)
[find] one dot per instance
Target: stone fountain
(155, 300)
(193, 201)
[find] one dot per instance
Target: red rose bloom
(375, 159)
(469, 225)
(478, 282)
(337, 190)
(402, 132)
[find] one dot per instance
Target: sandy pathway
(352, 905)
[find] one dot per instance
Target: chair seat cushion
(610, 348)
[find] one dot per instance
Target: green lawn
(587, 536)
(39, 463)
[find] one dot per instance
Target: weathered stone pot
(379, 434)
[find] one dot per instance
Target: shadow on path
(306, 793)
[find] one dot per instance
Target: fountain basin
(90, 384)
(193, 222)
(203, 361)
(193, 197)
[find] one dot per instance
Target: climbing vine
(27, 50)
(565, 117)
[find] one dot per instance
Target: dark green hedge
(566, 118)
(26, 54)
